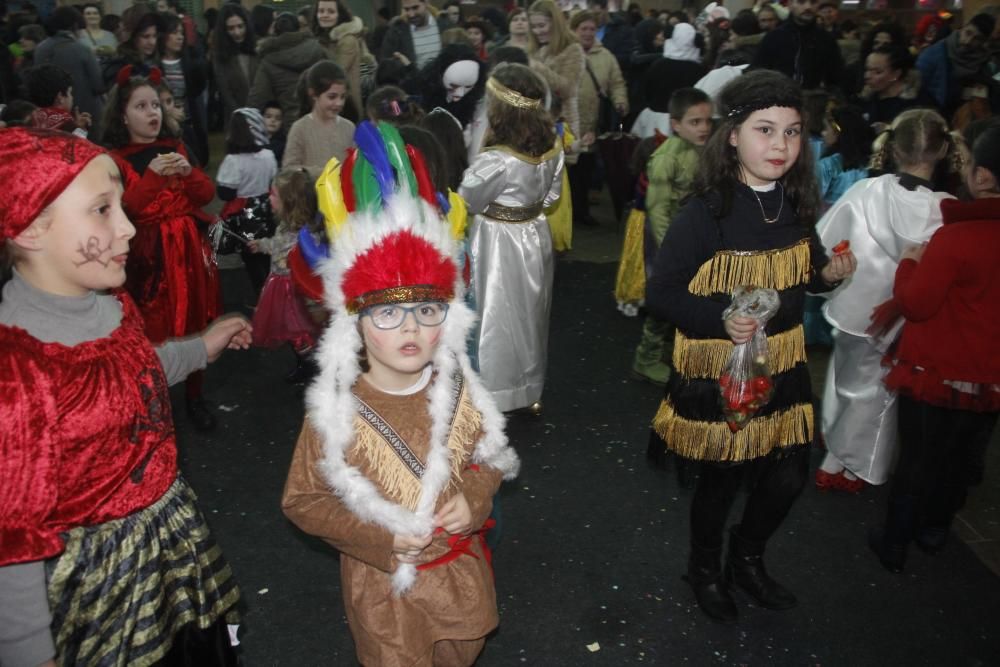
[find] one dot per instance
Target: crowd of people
(398, 194)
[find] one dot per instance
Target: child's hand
(180, 164)
(229, 331)
(407, 548)
(455, 516)
(252, 246)
(588, 139)
(162, 165)
(914, 252)
(83, 119)
(839, 267)
(740, 329)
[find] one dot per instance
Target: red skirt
(281, 316)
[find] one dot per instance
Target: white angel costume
(880, 217)
(512, 267)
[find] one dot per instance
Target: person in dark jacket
(802, 50)
(234, 57)
(957, 64)
(418, 20)
(614, 32)
(281, 60)
(64, 51)
(186, 75)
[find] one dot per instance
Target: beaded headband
(511, 97)
(747, 109)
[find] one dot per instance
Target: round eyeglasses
(391, 316)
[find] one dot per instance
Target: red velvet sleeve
(198, 187)
(28, 457)
(922, 287)
(140, 191)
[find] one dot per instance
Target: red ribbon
(462, 545)
(126, 73)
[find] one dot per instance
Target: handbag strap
(593, 78)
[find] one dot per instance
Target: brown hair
(297, 192)
(528, 131)
(560, 35)
(916, 136)
(116, 133)
(582, 17)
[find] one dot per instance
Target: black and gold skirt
(122, 590)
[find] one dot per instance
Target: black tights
(940, 452)
(775, 482)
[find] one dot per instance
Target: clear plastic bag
(745, 385)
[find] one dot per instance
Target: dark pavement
(594, 542)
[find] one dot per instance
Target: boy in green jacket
(671, 170)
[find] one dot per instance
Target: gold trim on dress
(510, 96)
(513, 213)
(714, 441)
(524, 157)
(777, 269)
(707, 357)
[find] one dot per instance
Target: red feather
(401, 259)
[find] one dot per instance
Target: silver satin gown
(880, 218)
(512, 269)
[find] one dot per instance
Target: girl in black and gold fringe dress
(749, 222)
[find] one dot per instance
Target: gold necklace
(761, 204)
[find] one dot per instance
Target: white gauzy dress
(512, 267)
(881, 218)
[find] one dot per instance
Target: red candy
(842, 247)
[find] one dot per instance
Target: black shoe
(745, 569)
(201, 418)
(931, 540)
(892, 556)
(705, 577)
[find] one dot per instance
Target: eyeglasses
(391, 316)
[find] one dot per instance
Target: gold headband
(511, 97)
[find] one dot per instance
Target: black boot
(705, 576)
(890, 543)
(745, 568)
(201, 417)
(931, 539)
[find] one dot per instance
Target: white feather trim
(332, 406)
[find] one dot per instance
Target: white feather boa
(332, 407)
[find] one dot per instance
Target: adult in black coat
(399, 38)
(802, 50)
(64, 51)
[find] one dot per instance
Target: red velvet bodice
(86, 434)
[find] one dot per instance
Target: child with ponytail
(749, 221)
(880, 217)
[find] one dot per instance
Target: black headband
(743, 110)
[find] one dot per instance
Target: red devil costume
(172, 274)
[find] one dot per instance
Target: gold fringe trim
(777, 269)
(713, 441)
(393, 477)
(464, 434)
(707, 358)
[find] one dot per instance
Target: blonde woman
(556, 55)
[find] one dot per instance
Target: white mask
(460, 78)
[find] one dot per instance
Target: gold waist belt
(513, 213)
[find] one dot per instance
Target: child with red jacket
(946, 368)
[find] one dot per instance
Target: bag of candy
(745, 384)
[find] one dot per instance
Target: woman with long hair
(234, 57)
(343, 37)
(185, 75)
(557, 56)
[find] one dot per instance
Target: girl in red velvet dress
(105, 558)
(172, 273)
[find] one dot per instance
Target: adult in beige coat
(557, 57)
(343, 37)
(602, 76)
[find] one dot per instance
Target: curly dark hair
(720, 169)
(44, 83)
(529, 131)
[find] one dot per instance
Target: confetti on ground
(594, 648)
(227, 408)
(263, 591)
